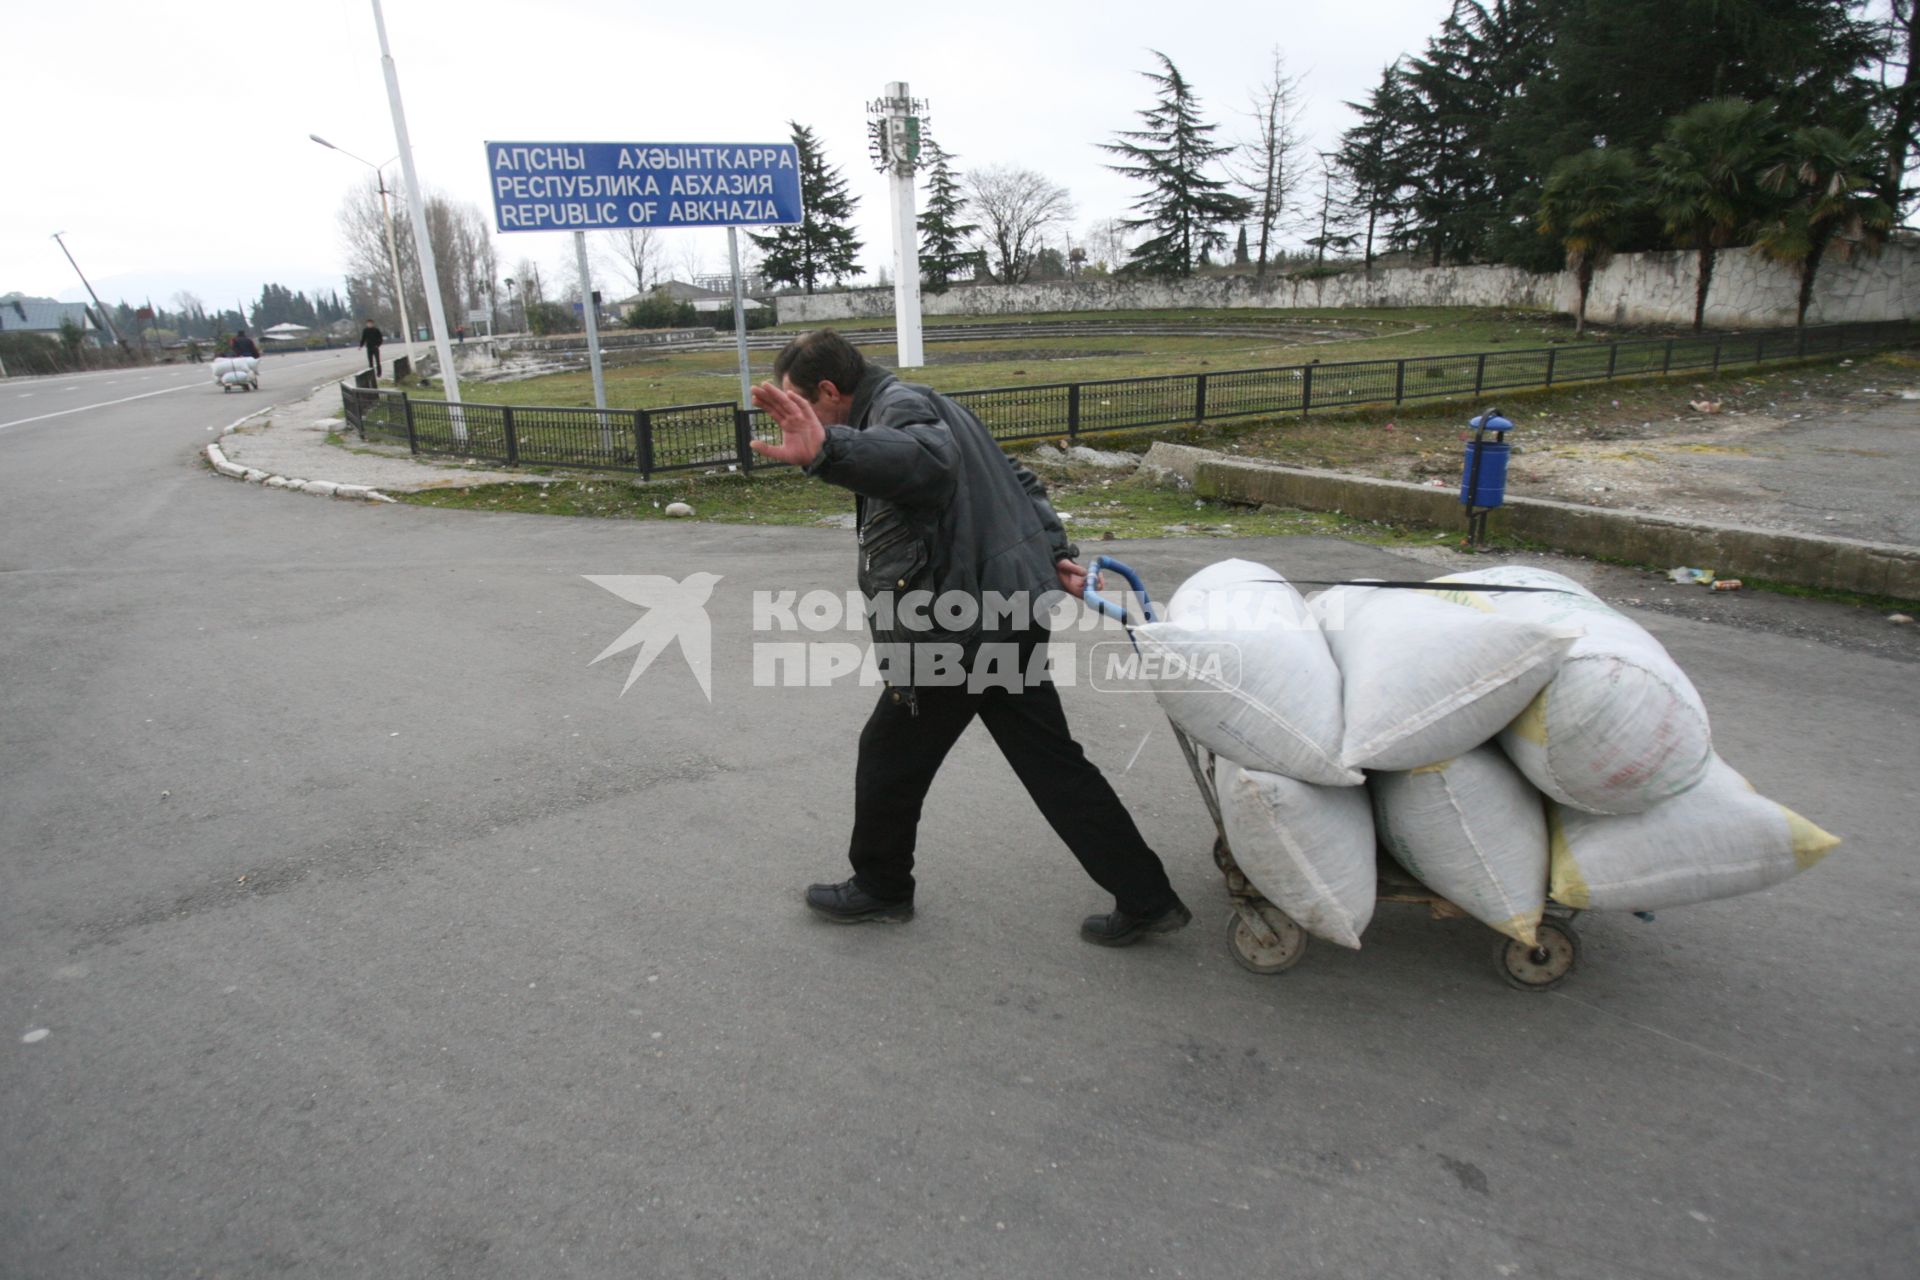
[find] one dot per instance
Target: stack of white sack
(1585, 706)
(230, 370)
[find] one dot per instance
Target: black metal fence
(707, 436)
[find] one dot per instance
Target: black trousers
(900, 752)
(373, 359)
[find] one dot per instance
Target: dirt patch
(1831, 449)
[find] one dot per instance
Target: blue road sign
(594, 186)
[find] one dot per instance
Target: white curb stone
(325, 488)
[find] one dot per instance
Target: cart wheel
(1542, 967)
(1257, 957)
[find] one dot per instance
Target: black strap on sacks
(1415, 586)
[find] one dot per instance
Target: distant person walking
(371, 338)
(242, 345)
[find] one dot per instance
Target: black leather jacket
(942, 507)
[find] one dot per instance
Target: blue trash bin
(1491, 488)
(1483, 472)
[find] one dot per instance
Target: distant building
(702, 299)
(21, 314)
(724, 283)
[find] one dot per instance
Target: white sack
(1240, 665)
(1425, 680)
(1474, 831)
(1719, 839)
(1308, 850)
(1619, 728)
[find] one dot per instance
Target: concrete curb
(1801, 559)
(250, 475)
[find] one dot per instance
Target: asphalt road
(372, 932)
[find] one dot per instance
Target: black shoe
(1118, 929)
(848, 903)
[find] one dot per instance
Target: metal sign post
(896, 129)
(739, 317)
(593, 334)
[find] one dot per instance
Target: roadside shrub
(722, 320)
(658, 311)
(545, 318)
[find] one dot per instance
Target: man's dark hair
(820, 356)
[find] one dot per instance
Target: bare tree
(1015, 207)
(370, 271)
(1107, 244)
(636, 251)
(462, 253)
(688, 257)
(1271, 164)
(462, 248)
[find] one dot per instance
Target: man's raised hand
(801, 435)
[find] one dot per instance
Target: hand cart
(1264, 939)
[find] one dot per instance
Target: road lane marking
(104, 404)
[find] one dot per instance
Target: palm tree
(1828, 182)
(1706, 179)
(1587, 203)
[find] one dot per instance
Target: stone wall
(1748, 291)
(1640, 288)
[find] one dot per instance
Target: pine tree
(1169, 154)
(1376, 162)
(943, 237)
(822, 245)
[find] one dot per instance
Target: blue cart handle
(1113, 609)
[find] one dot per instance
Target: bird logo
(674, 611)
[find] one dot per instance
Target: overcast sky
(169, 140)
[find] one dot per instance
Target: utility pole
(98, 306)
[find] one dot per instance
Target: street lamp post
(393, 251)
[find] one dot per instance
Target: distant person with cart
(242, 345)
(371, 338)
(942, 510)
